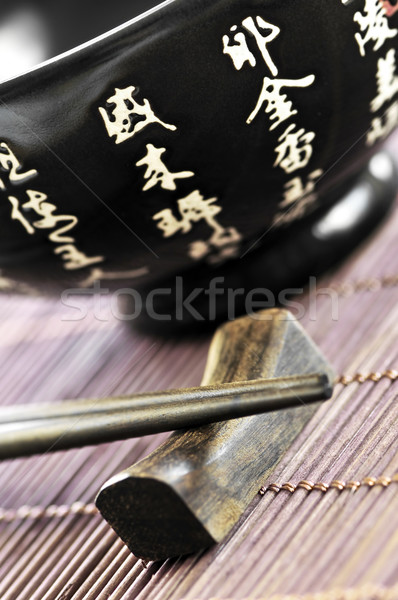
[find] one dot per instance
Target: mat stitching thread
(42, 512)
(336, 484)
(376, 376)
(371, 284)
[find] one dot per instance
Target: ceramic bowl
(186, 136)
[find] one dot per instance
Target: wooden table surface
(292, 543)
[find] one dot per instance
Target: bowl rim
(91, 42)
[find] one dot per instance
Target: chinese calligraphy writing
(387, 81)
(382, 126)
(16, 215)
(75, 259)
(192, 209)
(240, 53)
(298, 198)
(37, 202)
(263, 40)
(295, 149)
(387, 87)
(225, 241)
(10, 164)
(121, 122)
(157, 172)
(374, 26)
(278, 106)
(128, 117)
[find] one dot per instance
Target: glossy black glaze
(274, 273)
(173, 56)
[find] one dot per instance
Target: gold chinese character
(38, 203)
(387, 81)
(239, 51)
(220, 247)
(262, 40)
(382, 126)
(16, 215)
(10, 164)
(298, 198)
(263, 33)
(128, 117)
(157, 172)
(295, 149)
(192, 209)
(75, 259)
(195, 208)
(374, 26)
(278, 106)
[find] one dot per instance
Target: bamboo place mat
(324, 527)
